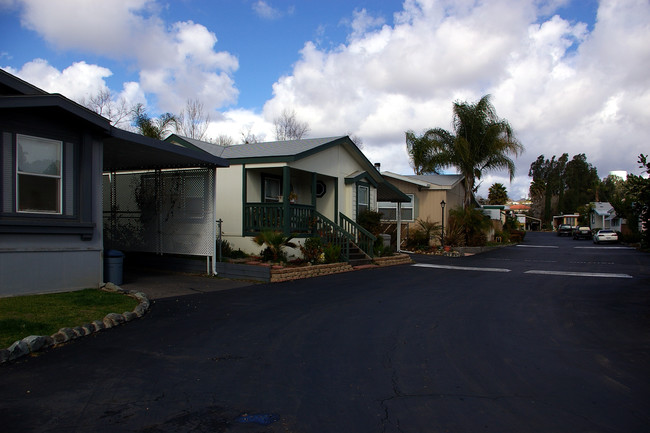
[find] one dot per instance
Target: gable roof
(276, 151)
(294, 150)
(602, 208)
(428, 181)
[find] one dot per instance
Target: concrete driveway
(463, 345)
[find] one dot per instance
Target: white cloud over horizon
(563, 86)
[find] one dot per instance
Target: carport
(158, 198)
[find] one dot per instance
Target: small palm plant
(275, 243)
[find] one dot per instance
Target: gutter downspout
(214, 225)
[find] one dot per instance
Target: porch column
(313, 190)
(399, 226)
(286, 189)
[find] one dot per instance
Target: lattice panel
(161, 212)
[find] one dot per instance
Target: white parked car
(605, 236)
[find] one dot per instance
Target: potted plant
(293, 197)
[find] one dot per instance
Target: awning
(124, 150)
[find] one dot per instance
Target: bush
(312, 250)
(332, 253)
(417, 239)
(227, 251)
(370, 221)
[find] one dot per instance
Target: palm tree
(480, 141)
(155, 128)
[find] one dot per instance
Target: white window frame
(268, 198)
(58, 177)
(366, 195)
(405, 206)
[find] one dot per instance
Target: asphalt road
(549, 336)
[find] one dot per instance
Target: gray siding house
(52, 156)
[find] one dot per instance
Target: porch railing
(270, 216)
(361, 237)
(306, 221)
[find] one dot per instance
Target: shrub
(417, 239)
(370, 221)
(275, 243)
(332, 253)
(312, 250)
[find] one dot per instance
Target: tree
(192, 122)
(248, 137)
(581, 180)
(155, 128)
(104, 104)
(223, 140)
(480, 142)
(288, 127)
(560, 185)
(637, 196)
(497, 194)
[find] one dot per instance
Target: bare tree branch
(288, 127)
(192, 122)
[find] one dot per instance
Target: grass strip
(22, 316)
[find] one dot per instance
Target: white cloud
(266, 11)
(563, 88)
(78, 81)
(131, 30)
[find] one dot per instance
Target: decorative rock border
(34, 343)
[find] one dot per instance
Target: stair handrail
(362, 237)
(332, 232)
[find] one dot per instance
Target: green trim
(286, 190)
(243, 200)
(359, 178)
(336, 200)
(313, 189)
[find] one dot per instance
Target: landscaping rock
(4, 355)
(18, 349)
(88, 328)
(140, 310)
(129, 315)
(69, 333)
(99, 325)
(59, 338)
(38, 342)
(78, 331)
(114, 318)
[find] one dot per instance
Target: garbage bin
(113, 266)
(386, 239)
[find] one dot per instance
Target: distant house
(603, 216)
(299, 187)
(570, 219)
(426, 193)
(52, 155)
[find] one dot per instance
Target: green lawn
(22, 316)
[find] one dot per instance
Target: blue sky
(570, 76)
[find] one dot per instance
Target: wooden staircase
(357, 257)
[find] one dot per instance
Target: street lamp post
(442, 241)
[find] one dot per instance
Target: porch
(299, 220)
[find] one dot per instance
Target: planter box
(399, 259)
(287, 274)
